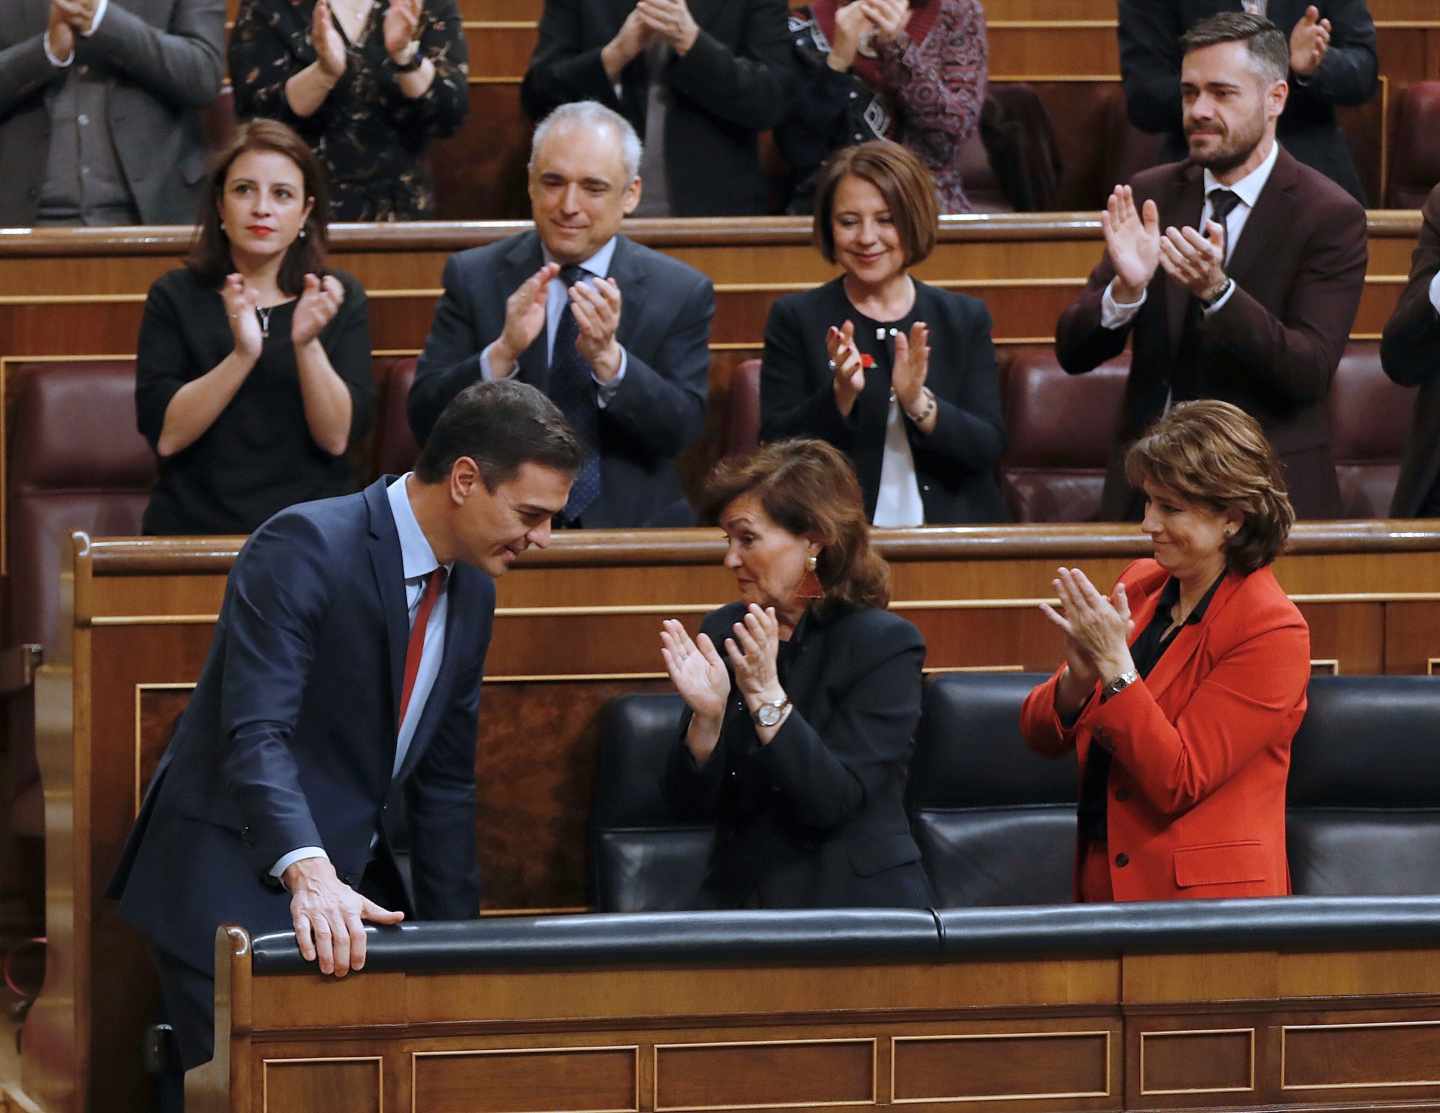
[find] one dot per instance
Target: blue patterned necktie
(572, 389)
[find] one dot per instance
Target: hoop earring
(809, 586)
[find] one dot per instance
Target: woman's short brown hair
(809, 488)
(210, 258)
(902, 180)
(1213, 454)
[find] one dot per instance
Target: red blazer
(1201, 747)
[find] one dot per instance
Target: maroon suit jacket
(1299, 268)
(1410, 354)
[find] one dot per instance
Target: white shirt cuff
(54, 61)
(1221, 300)
(1117, 314)
(298, 855)
(607, 391)
(1435, 291)
(487, 373)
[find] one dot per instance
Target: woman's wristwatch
(412, 63)
(924, 415)
(770, 712)
(1119, 684)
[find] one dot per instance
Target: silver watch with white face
(771, 712)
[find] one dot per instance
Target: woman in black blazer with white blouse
(897, 374)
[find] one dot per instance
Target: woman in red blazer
(1181, 692)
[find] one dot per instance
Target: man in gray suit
(616, 334)
(98, 100)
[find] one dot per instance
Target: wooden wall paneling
(1037, 50)
(480, 171)
(500, 49)
(1174, 1065)
(1412, 637)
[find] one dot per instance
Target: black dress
(955, 463)
(258, 456)
(370, 137)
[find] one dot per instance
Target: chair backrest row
(996, 822)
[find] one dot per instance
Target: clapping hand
(402, 27)
(672, 21)
(912, 361)
(1132, 239)
(59, 35)
(753, 652)
(888, 16)
(700, 677)
(241, 301)
(1309, 40)
(846, 364)
(319, 302)
(1196, 262)
(325, 39)
(78, 15)
(1097, 629)
(524, 318)
(851, 25)
(597, 313)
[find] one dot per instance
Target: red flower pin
(867, 361)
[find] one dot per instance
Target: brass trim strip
(999, 1036)
(634, 1048)
(873, 1041)
(1286, 1029)
(573, 677)
(1432, 664)
(1332, 664)
(1199, 1032)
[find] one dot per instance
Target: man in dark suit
(1410, 354)
(617, 334)
(99, 101)
(698, 79)
(343, 681)
(1332, 62)
(1256, 308)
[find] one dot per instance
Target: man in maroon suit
(1410, 354)
(1237, 272)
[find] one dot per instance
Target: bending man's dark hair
(500, 426)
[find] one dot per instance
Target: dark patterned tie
(1221, 202)
(572, 388)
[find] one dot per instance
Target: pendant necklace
(264, 315)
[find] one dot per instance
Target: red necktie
(434, 584)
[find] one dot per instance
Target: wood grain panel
(521, 1080)
(1003, 1065)
(1197, 1061)
(1412, 637)
(305, 1085)
(500, 51)
(480, 170)
(1395, 1054)
(740, 1075)
(1030, 50)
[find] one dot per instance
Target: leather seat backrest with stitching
(642, 859)
(995, 821)
(1363, 799)
(1369, 421)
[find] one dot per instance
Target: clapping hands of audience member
(524, 318)
(59, 35)
(907, 377)
(627, 45)
(846, 364)
(402, 28)
(596, 306)
(325, 39)
(852, 23)
(1309, 40)
(1195, 261)
(753, 649)
(319, 302)
(699, 676)
(1097, 632)
(888, 16)
(672, 21)
(1132, 239)
(241, 302)
(78, 15)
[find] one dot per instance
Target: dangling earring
(302, 231)
(809, 587)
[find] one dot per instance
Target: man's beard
(1226, 156)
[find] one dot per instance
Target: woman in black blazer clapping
(897, 374)
(802, 697)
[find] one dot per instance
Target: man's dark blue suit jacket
(289, 738)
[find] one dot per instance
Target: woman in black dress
(253, 372)
(367, 83)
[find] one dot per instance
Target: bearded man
(1236, 273)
